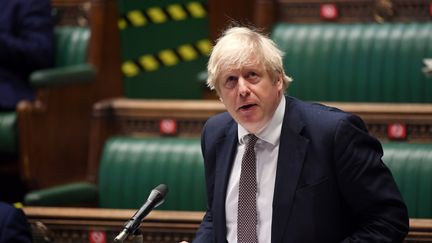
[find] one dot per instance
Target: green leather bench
(361, 62)
(130, 168)
(411, 165)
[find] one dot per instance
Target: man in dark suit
(317, 173)
(13, 225)
(26, 45)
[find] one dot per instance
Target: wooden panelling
(72, 12)
(224, 12)
(138, 117)
(269, 12)
(78, 224)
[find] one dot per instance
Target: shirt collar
(271, 131)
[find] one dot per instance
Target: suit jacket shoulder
(217, 128)
(219, 123)
(13, 225)
(318, 119)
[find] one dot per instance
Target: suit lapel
(292, 150)
(226, 148)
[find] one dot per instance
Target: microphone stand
(156, 198)
(137, 237)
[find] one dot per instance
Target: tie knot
(251, 141)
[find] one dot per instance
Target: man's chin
(252, 127)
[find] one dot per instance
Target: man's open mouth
(246, 107)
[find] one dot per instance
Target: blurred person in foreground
(13, 225)
(26, 45)
(317, 175)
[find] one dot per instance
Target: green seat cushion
(8, 133)
(73, 194)
(411, 165)
(131, 167)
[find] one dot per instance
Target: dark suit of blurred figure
(13, 225)
(26, 45)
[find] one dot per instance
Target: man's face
(250, 95)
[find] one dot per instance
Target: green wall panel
(164, 45)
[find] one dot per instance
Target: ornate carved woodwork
(79, 224)
(72, 12)
(268, 12)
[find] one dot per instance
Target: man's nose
(243, 86)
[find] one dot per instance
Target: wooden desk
(420, 231)
(78, 224)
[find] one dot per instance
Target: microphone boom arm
(155, 199)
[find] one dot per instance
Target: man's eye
(252, 76)
(230, 82)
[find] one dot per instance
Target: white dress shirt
(266, 149)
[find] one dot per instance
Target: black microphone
(155, 199)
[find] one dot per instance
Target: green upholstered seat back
(71, 45)
(8, 137)
(131, 167)
(411, 165)
(362, 62)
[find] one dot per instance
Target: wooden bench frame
(64, 224)
(158, 226)
(268, 12)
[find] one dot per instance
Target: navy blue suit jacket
(26, 45)
(13, 225)
(331, 184)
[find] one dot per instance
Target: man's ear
(279, 81)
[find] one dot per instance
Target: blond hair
(240, 46)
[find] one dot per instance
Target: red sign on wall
(396, 131)
(168, 127)
(96, 236)
(329, 11)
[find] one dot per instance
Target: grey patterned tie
(247, 211)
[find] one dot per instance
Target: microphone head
(158, 194)
(162, 189)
